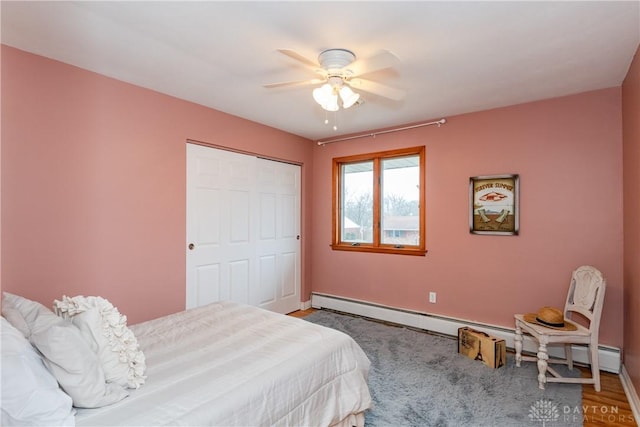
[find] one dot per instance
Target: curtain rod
(373, 134)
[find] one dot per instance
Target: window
(378, 202)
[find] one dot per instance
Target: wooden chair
(586, 297)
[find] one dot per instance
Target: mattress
(227, 364)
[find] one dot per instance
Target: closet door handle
(191, 246)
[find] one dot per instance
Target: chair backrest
(586, 295)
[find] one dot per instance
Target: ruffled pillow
(106, 332)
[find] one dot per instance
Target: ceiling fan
(339, 72)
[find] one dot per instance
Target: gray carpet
(419, 379)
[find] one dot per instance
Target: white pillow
(66, 354)
(105, 329)
(75, 366)
(30, 394)
(13, 316)
(26, 315)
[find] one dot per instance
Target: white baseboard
(609, 356)
(305, 305)
(630, 391)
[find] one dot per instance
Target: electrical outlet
(432, 297)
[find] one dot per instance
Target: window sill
(381, 250)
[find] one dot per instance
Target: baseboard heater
(609, 356)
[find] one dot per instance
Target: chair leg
(595, 365)
(542, 365)
(568, 355)
(518, 344)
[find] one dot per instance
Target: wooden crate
(478, 345)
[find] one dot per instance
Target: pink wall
(93, 198)
(568, 152)
(631, 182)
(0, 175)
(93, 184)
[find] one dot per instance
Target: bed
(227, 364)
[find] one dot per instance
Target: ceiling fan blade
(295, 55)
(377, 89)
(379, 61)
(294, 83)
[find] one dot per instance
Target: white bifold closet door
(243, 230)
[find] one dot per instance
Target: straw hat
(550, 317)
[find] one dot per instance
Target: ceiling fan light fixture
(326, 97)
(321, 93)
(348, 97)
(332, 103)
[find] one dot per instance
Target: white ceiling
(455, 57)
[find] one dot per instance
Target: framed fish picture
(494, 204)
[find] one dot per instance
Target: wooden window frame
(376, 245)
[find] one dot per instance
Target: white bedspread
(227, 364)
